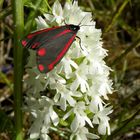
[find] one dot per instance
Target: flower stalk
(18, 65)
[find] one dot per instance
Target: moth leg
(64, 22)
(79, 40)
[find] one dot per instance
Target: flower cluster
(71, 95)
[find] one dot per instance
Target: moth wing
(36, 39)
(50, 53)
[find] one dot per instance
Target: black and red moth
(51, 45)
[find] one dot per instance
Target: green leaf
(31, 4)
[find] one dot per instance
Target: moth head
(74, 27)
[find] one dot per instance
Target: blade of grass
(1, 3)
(6, 80)
(32, 16)
(18, 15)
(7, 11)
(125, 125)
(118, 13)
(127, 28)
(123, 54)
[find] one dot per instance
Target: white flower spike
(76, 87)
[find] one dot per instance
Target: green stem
(123, 54)
(124, 125)
(46, 1)
(18, 15)
(31, 17)
(118, 13)
(7, 11)
(6, 80)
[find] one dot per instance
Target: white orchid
(102, 119)
(83, 134)
(80, 118)
(77, 86)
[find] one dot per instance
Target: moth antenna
(81, 20)
(86, 25)
(65, 22)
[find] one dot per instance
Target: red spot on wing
(40, 31)
(24, 42)
(61, 54)
(41, 67)
(41, 52)
(35, 45)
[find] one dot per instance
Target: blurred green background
(120, 24)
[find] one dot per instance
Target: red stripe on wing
(41, 31)
(24, 43)
(35, 45)
(62, 33)
(61, 54)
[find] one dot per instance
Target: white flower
(67, 66)
(44, 116)
(102, 119)
(80, 116)
(80, 78)
(76, 87)
(63, 96)
(83, 134)
(41, 23)
(57, 12)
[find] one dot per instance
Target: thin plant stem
(46, 1)
(117, 15)
(7, 11)
(6, 80)
(123, 54)
(18, 15)
(32, 16)
(121, 128)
